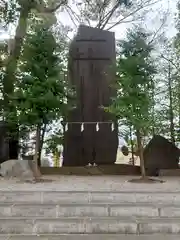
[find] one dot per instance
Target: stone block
(82, 210)
(170, 211)
(110, 225)
(16, 226)
(5, 211)
(106, 197)
(94, 237)
(53, 197)
(85, 225)
(65, 197)
(160, 226)
(4, 237)
(169, 172)
(35, 210)
(20, 197)
(125, 197)
(128, 211)
(59, 226)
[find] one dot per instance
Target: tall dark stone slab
(4, 143)
(160, 154)
(91, 60)
(9, 146)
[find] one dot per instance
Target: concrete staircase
(73, 215)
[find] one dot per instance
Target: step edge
(136, 219)
(90, 192)
(92, 204)
(88, 234)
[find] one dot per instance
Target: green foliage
(41, 91)
(176, 73)
(53, 142)
(8, 12)
(134, 84)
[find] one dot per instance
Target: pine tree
(41, 91)
(135, 71)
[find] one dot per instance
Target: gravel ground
(92, 183)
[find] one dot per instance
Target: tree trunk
(171, 112)
(37, 147)
(132, 147)
(14, 54)
(178, 99)
(41, 144)
(153, 112)
(141, 156)
(15, 50)
(10, 71)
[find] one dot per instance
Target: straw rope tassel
(82, 127)
(66, 127)
(97, 127)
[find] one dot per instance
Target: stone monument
(160, 154)
(91, 71)
(9, 146)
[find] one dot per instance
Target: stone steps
(85, 225)
(81, 197)
(89, 237)
(88, 210)
(82, 212)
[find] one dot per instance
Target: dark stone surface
(9, 146)
(92, 55)
(4, 146)
(160, 154)
(13, 148)
(115, 169)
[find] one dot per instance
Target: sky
(152, 22)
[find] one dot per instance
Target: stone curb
(89, 237)
(88, 197)
(90, 226)
(87, 210)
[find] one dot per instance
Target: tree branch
(2, 2)
(74, 14)
(169, 60)
(101, 12)
(126, 21)
(43, 9)
(67, 10)
(80, 11)
(132, 13)
(107, 16)
(158, 30)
